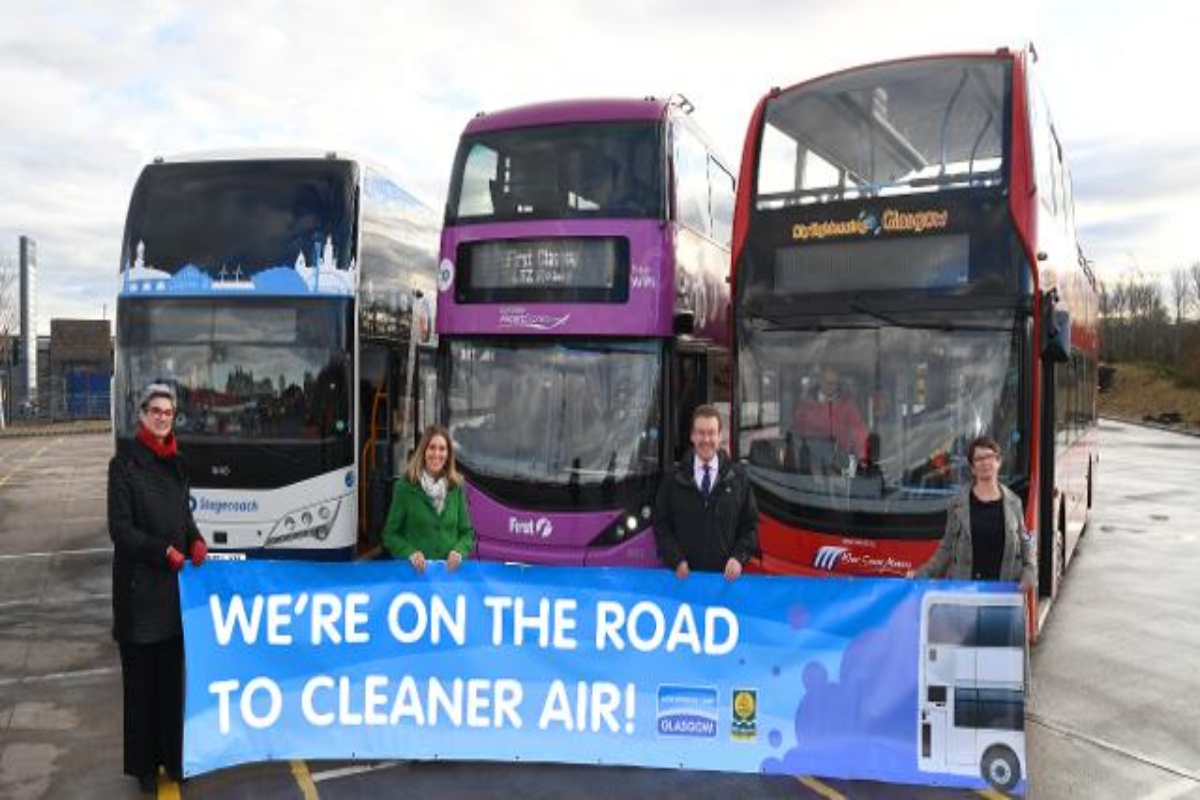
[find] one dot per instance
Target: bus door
(426, 387)
(384, 447)
(372, 393)
(1049, 544)
(689, 386)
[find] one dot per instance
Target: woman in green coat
(428, 517)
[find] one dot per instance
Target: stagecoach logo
(518, 317)
(445, 275)
(868, 224)
(205, 504)
(829, 556)
(540, 528)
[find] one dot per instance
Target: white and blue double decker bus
(972, 679)
(287, 300)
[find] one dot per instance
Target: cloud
(92, 92)
(1135, 198)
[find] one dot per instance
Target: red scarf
(165, 448)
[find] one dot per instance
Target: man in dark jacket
(705, 517)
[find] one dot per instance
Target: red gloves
(199, 552)
(174, 559)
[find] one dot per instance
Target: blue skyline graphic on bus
(299, 279)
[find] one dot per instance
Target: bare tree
(1179, 288)
(1194, 275)
(1136, 323)
(1112, 319)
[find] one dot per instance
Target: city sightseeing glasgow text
(892, 221)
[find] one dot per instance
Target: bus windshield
(557, 414)
(248, 369)
(876, 418)
(584, 170)
(232, 219)
(895, 129)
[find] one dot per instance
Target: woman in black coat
(152, 528)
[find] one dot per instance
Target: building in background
(77, 381)
(28, 360)
(66, 375)
(73, 373)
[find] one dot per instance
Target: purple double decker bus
(582, 315)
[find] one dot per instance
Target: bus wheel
(1001, 768)
(1090, 484)
(1060, 549)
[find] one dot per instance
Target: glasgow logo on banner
(687, 711)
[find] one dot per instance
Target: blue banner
(883, 679)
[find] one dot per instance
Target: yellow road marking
(167, 788)
(304, 780)
(827, 792)
(991, 794)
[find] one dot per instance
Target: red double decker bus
(907, 277)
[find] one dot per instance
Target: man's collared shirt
(698, 472)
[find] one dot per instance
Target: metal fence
(75, 396)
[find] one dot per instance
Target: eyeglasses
(163, 413)
(985, 457)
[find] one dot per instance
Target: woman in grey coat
(985, 538)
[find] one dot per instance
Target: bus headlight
(315, 521)
(624, 526)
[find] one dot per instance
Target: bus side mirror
(1058, 337)
(685, 323)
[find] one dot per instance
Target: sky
(91, 91)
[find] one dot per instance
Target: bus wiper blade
(946, 325)
(859, 306)
(815, 320)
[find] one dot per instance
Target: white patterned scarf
(435, 489)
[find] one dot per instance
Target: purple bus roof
(563, 111)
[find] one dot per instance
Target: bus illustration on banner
(972, 686)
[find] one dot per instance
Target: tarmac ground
(1112, 711)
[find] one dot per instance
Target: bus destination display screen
(576, 269)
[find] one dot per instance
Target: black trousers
(152, 677)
